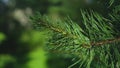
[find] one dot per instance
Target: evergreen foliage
(95, 41)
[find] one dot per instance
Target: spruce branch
(73, 36)
(100, 43)
(93, 41)
(82, 40)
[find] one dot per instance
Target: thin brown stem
(109, 41)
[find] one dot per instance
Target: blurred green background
(23, 47)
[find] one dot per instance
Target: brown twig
(109, 41)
